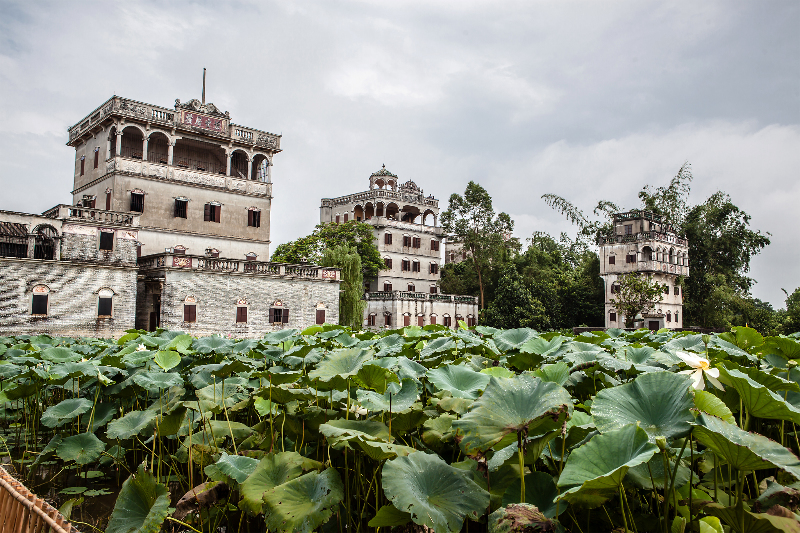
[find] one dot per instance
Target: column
(228, 164)
(119, 143)
(144, 148)
(269, 171)
(170, 149)
(249, 168)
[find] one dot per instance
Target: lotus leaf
(65, 411)
(83, 448)
(155, 381)
(459, 380)
(167, 359)
(557, 373)
(103, 413)
(498, 372)
(277, 337)
(758, 400)
(60, 355)
(213, 343)
(660, 403)
(380, 451)
(513, 405)
(540, 490)
(598, 467)
(304, 503)
(436, 495)
(743, 450)
(753, 522)
(341, 363)
(389, 516)
(375, 377)
(86, 368)
(142, 505)
(708, 403)
(438, 430)
(512, 339)
(271, 471)
(130, 425)
(388, 401)
(231, 467)
(743, 337)
(339, 431)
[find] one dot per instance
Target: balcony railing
(407, 295)
(72, 212)
(224, 265)
(658, 236)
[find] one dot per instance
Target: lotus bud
(791, 363)
(706, 339)
(661, 442)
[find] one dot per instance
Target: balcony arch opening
(158, 148)
(647, 254)
(132, 142)
(369, 211)
(260, 170)
(45, 242)
(239, 161)
(358, 213)
(392, 210)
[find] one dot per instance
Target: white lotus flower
(702, 367)
(141, 348)
(357, 410)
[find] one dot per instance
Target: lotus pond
(467, 430)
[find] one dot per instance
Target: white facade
(641, 242)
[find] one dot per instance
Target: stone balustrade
(72, 212)
(643, 236)
(225, 265)
(406, 295)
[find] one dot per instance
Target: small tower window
(96, 157)
(241, 314)
(371, 319)
(387, 287)
(137, 202)
(212, 212)
(388, 262)
(434, 245)
(612, 260)
(40, 301)
(411, 288)
(434, 269)
(387, 319)
(181, 205)
(104, 303)
(254, 218)
(107, 240)
(320, 316)
(83, 164)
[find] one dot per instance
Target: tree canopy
(352, 234)
(636, 293)
(351, 290)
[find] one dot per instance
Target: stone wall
(72, 298)
(82, 243)
(217, 295)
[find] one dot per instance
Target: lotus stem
(622, 507)
(521, 468)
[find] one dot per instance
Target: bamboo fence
(21, 511)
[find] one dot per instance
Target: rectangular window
(241, 314)
(614, 288)
(434, 245)
(415, 266)
(83, 164)
(320, 316)
(406, 240)
(433, 319)
(39, 304)
(406, 320)
(96, 157)
(108, 201)
(628, 229)
(666, 289)
(189, 313)
(470, 321)
(612, 260)
(387, 238)
(416, 242)
(107, 240)
(137, 202)
(212, 212)
(434, 289)
(420, 320)
(254, 218)
(104, 307)
(411, 288)
(388, 262)
(630, 258)
(447, 322)
(180, 208)
(434, 268)
(387, 287)
(676, 316)
(677, 292)
(345, 217)
(337, 219)
(612, 317)
(405, 265)
(371, 320)
(387, 319)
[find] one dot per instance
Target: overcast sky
(589, 100)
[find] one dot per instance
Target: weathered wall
(416, 307)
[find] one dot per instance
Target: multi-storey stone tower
(201, 184)
(642, 242)
(408, 238)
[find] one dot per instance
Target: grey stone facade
(397, 309)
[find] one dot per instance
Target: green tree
(513, 306)
(636, 292)
(791, 319)
(471, 221)
(351, 290)
(351, 234)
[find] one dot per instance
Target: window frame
(181, 208)
(612, 259)
(110, 303)
(139, 195)
(193, 314)
(254, 218)
(103, 239)
(241, 314)
(317, 316)
(387, 238)
(212, 212)
(39, 296)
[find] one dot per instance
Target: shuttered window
(83, 164)
(434, 245)
(387, 287)
(371, 319)
(241, 314)
(388, 262)
(630, 258)
(212, 212)
(447, 321)
(416, 242)
(108, 201)
(320, 316)
(106, 240)
(337, 219)
(137, 202)
(406, 240)
(96, 157)
(406, 320)
(387, 319)
(611, 260)
(415, 266)
(39, 304)
(189, 313)
(104, 307)
(180, 208)
(433, 319)
(345, 217)
(254, 218)
(420, 320)
(612, 317)
(387, 238)
(433, 289)
(434, 268)
(410, 288)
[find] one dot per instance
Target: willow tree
(351, 290)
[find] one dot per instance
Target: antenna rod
(204, 85)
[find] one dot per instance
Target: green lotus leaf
(520, 517)
(542, 346)
(660, 403)
(283, 335)
(442, 344)
(273, 470)
(130, 425)
(375, 377)
(782, 346)
(83, 448)
(753, 522)
(51, 447)
(557, 373)
(540, 490)
(389, 516)
(346, 340)
(438, 430)
(461, 381)
(498, 372)
(235, 430)
(304, 503)
(142, 505)
(641, 474)
(390, 344)
(339, 431)
(214, 343)
(231, 467)
(396, 402)
(380, 451)
(74, 370)
(436, 494)
(103, 413)
(772, 382)
(167, 359)
(513, 405)
(635, 355)
(65, 411)
(215, 398)
(597, 468)
(60, 355)
(155, 381)
(688, 343)
(758, 400)
(512, 339)
(743, 337)
(708, 403)
(279, 375)
(341, 363)
(743, 450)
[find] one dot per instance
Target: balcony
(71, 212)
(406, 295)
(198, 263)
(669, 238)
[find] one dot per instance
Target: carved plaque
(328, 274)
(205, 122)
(182, 262)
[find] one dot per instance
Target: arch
(199, 155)
(379, 209)
(112, 142)
(429, 214)
(369, 211)
(672, 256)
(358, 213)
(392, 210)
(392, 184)
(260, 170)
(380, 183)
(132, 142)
(647, 253)
(158, 147)
(239, 162)
(40, 300)
(44, 246)
(410, 214)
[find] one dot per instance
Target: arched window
(406, 319)
(105, 303)
(190, 309)
(40, 300)
(45, 242)
(669, 316)
(371, 319)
